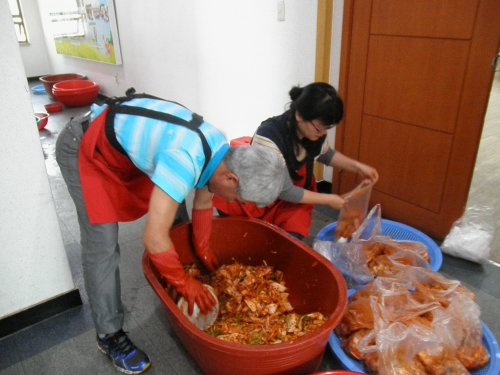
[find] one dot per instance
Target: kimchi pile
(254, 307)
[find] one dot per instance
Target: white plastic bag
(470, 236)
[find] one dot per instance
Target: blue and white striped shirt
(171, 155)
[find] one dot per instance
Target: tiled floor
(66, 343)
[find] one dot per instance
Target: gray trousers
(100, 249)
(99, 242)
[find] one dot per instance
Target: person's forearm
(162, 209)
(310, 197)
(156, 239)
(332, 200)
(341, 161)
(202, 199)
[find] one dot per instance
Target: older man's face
(227, 193)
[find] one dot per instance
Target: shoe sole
(103, 351)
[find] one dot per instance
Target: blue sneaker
(124, 355)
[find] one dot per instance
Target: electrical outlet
(281, 10)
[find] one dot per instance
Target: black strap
(309, 172)
(285, 145)
(115, 108)
(131, 94)
(85, 125)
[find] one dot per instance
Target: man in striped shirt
(139, 155)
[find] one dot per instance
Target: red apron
(292, 217)
(114, 189)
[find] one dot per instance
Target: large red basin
(49, 81)
(75, 92)
(313, 282)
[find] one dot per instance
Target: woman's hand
(335, 201)
(368, 172)
(341, 161)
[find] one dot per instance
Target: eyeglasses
(322, 128)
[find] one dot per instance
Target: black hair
(316, 101)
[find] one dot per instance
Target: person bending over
(140, 154)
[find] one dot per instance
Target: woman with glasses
(299, 136)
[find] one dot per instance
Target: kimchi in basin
(314, 284)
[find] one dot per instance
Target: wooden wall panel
(394, 147)
(444, 18)
(416, 80)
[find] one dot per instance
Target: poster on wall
(87, 30)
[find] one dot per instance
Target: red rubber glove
(169, 266)
(202, 226)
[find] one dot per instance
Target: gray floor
(485, 184)
(66, 343)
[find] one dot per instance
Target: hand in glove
(169, 266)
(202, 226)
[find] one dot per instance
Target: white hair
(261, 173)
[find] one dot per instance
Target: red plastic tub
(75, 92)
(313, 282)
(75, 85)
(50, 80)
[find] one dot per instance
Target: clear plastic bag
(441, 358)
(369, 253)
(354, 210)
(326, 248)
(417, 322)
(349, 258)
(470, 236)
(386, 256)
(471, 352)
(371, 225)
(398, 346)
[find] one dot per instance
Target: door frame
(323, 51)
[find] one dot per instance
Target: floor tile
(16, 369)
(77, 356)
(10, 357)
(484, 277)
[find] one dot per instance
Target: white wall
(34, 53)
(231, 61)
(33, 262)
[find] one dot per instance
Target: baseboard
(36, 314)
(35, 78)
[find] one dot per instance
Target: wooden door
(415, 79)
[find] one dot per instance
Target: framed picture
(88, 31)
